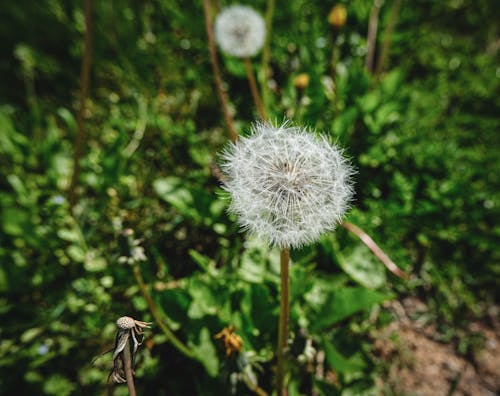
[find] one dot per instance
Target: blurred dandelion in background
(240, 31)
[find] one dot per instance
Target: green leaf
(170, 190)
(361, 389)
(58, 385)
(76, 253)
(345, 302)
(325, 388)
(94, 263)
(68, 235)
(68, 118)
(207, 354)
(341, 363)
(31, 334)
(15, 221)
(363, 267)
(204, 300)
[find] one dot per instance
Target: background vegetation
(421, 128)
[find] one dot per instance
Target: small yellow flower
(301, 81)
(337, 16)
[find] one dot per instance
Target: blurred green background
(421, 127)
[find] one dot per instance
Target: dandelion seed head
(287, 184)
(240, 31)
(125, 323)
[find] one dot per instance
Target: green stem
(284, 319)
(178, 344)
(129, 371)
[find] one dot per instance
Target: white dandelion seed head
(287, 184)
(240, 31)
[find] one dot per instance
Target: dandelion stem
(178, 344)
(266, 54)
(284, 318)
(84, 86)
(253, 88)
(129, 372)
(372, 34)
(376, 250)
(216, 70)
(386, 42)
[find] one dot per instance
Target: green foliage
(423, 135)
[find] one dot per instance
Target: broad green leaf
(363, 267)
(206, 353)
(341, 363)
(345, 302)
(204, 301)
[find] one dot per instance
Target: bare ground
(420, 365)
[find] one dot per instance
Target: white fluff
(287, 185)
(240, 31)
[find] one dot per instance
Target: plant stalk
(178, 344)
(376, 250)
(253, 88)
(217, 74)
(78, 147)
(129, 371)
(371, 38)
(386, 42)
(284, 319)
(266, 54)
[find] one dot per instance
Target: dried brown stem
(217, 74)
(253, 88)
(129, 371)
(78, 147)
(377, 251)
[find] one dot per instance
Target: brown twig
(216, 70)
(79, 142)
(377, 251)
(284, 318)
(372, 34)
(129, 371)
(253, 88)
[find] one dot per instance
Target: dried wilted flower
(287, 184)
(240, 31)
(231, 341)
(130, 333)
